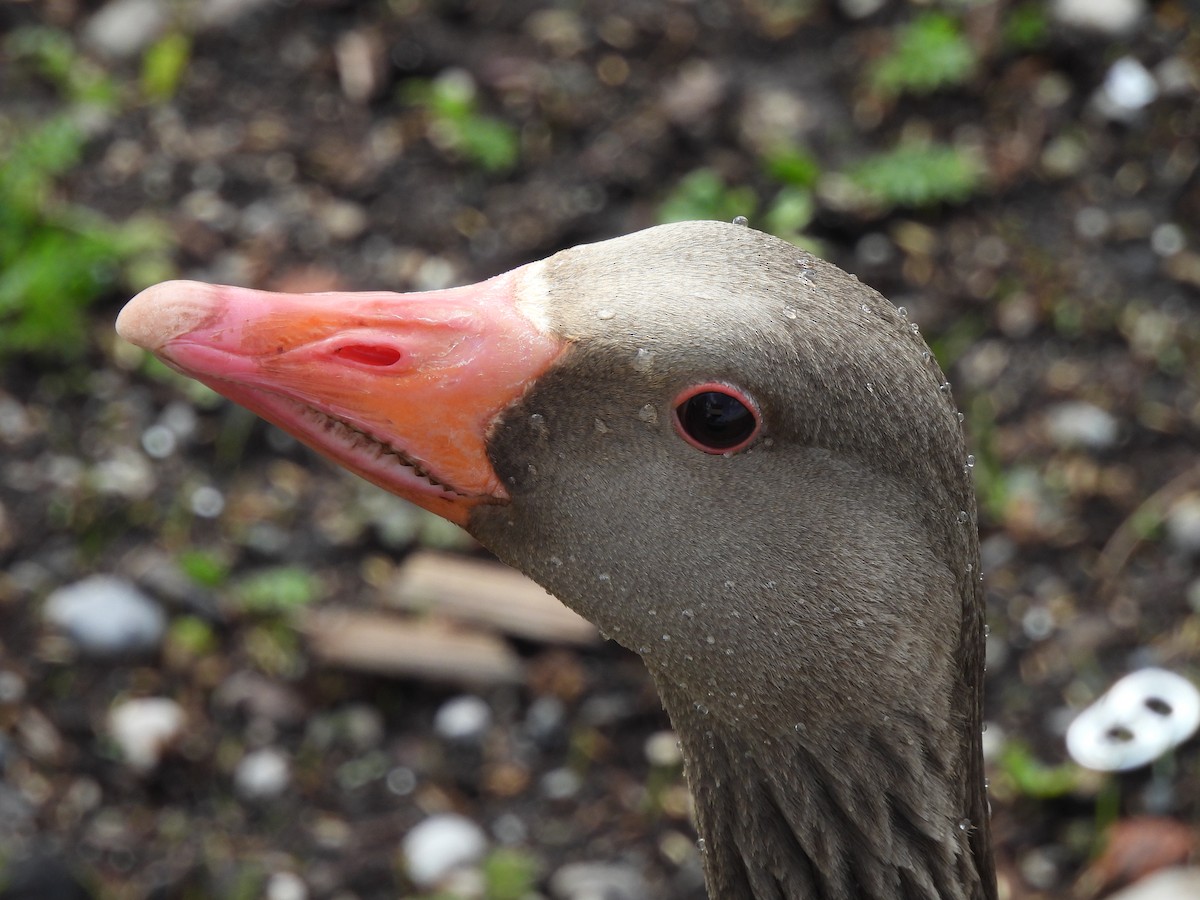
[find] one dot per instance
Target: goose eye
(716, 418)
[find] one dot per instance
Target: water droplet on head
(969, 463)
(870, 387)
(603, 576)
(648, 414)
(903, 312)
(865, 308)
(987, 630)
(944, 387)
(604, 314)
(666, 637)
(789, 312)
(914, 328)
(962, 517)
(710, 639)
(961, 416)
(964, 824)
(729, 585)
(555, 561)
(741, 220)
(601, 428)
(926, 356)
(643, 359)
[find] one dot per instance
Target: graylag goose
(736, 460)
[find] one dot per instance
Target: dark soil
(1071, 274)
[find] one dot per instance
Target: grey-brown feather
(809, 607)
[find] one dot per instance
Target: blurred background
(212, 677)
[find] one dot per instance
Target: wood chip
(489, 595)
(425, 649)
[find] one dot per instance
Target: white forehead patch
(531, 293)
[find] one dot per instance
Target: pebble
(439, 845)
(861, 9)
(1079, 424)
(464, 719)
(1128, 88)
(286, 886)
(106, 616)
(1183, 524)
(145, 728)
(1167, 884)
(662, 749)
(1114, 18)
(263, 774)
(128, 473)
(598, 881)
(123, 28)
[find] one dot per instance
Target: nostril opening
(369, 354)
(1159, 705)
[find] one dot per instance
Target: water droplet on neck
(601, 428)
(555, 561)
(961, 416)
(643, 359)
(603, 576)
(865, 308)
(870, 387)
(926, 356)
(648, 414)
(710, 639)
(964, 824)
(604, 314)
(789, 312)
(666, 637)
(741, 220)
(688, 614)
(962, 517)
(969, 464)
(903, 312)
(944, 387)
(914, 328)
(987, 630)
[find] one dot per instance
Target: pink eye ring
(716, 418)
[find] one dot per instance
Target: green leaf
(163, 66)
(703, 194)
(277, 590)
(930, 53)
(917, 174)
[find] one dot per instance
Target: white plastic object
(1140, 718)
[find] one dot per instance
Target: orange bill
(399, 388)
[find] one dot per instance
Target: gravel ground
(190, 743)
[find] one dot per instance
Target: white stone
(263, 774)
(598, 881)
(1165, 884)
(1183, 524)
(106, 616)
(439, 845)
(145, 728)
(286, 886)
(1115, 18)
(465, 719)
(1079, 424)
(123, 28)
(1128, 89)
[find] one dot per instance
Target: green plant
(509, 875)
(163, 66)
(276, 591)
(1033, 778)
(205, 569)
(456, 124)
(1026, 26)
(703, 194)
(916, 173)
(56, 257)
(930, 53)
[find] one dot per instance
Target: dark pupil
(716, 420)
